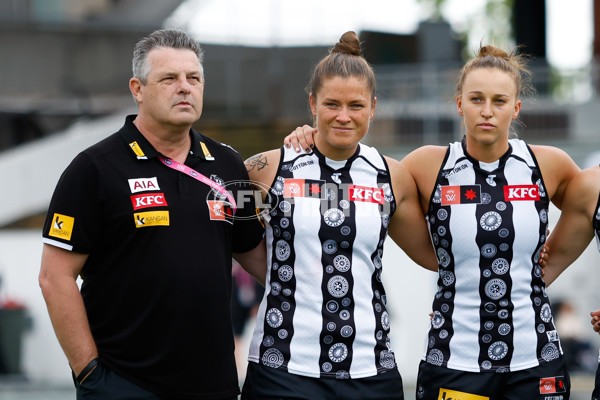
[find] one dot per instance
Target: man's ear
(135, 86)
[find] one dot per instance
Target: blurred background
(64, 72)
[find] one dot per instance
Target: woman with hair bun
(486, 201)
(322, 328)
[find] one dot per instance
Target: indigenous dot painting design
(339, 225)
(596, 222)
(497, 226)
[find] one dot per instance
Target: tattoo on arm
(256, 162)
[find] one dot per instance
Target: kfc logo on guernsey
(366, 194)
(521, 192)
(148, 200)
(143, 184)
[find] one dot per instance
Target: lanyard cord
(199, 177)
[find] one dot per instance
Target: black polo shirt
(157, 282)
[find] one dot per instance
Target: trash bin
(13, 323)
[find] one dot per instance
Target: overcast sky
(305, 22)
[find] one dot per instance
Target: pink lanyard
(198, 176)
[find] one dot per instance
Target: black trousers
(266, 383)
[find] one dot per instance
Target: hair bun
(348, 44)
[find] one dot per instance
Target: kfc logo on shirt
(521, 192)
(143, 184)
(366, 194)
(148, 200)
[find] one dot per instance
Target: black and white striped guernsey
(324, 310)
(596, 223)
(488, 223)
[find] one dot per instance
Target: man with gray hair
(148, 219)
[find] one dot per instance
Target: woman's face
(343, 109)
(488, 104)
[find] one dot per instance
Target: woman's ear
(373, 107)
(517, 109)
(459, 106)
(312, 102)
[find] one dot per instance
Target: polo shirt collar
(142, 149)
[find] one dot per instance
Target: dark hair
(172, 38)
(344, 60)
(493, 57)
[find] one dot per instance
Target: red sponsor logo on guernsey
(464, 194)
(555, 384)
(148, 200)
(366, 194)
(293, 188)
(521, 192)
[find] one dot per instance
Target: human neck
(174, 143)
(486, 152)
(332, 152)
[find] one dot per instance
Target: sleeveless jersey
(488, 223)
(324, 310)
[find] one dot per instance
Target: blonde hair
(490, 56)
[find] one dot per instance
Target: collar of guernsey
(143, 150)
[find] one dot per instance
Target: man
(152, 237)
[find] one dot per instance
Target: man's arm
(58, 274)
(255, 262)
(574, 229)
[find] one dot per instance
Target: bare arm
(574, 229)
(558, 168)
(407, 227)
(254, 262)
(57, 279)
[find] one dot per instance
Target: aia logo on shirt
(555, 384)
(366, 194)
(143, 184)
(465, 194)
(148, 200)
(521, 192)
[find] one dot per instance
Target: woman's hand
(301, 138)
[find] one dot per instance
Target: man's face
(173, 93)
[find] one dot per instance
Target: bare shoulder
(398, 171)
(425, 156)
(555, 163)
(554, 158)
(543, 151)
(263, 166)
